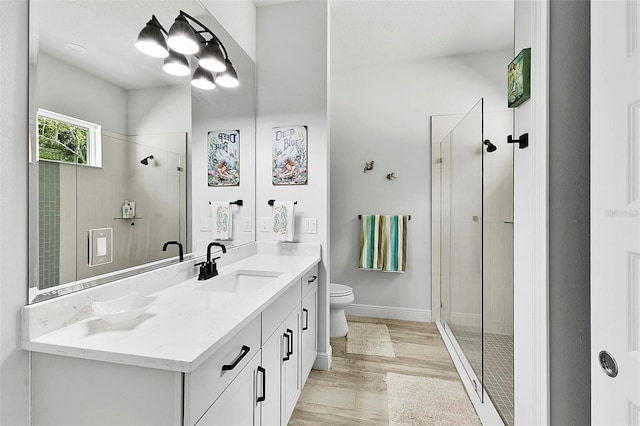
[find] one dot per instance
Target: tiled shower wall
(49, 224)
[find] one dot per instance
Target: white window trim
(94, 140)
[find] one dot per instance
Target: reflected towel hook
(522, 141)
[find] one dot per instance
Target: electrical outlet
(264, 224)
(310, 225)
(246, 224)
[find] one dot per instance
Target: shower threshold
(486, 410)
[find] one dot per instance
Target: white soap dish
(124, 308)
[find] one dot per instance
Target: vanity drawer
(309, 280)
(204, 385)
(275, 313)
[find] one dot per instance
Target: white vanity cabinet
(238, 405)
(207, 382)
(309, 322)
(281, 357)
(254, 377)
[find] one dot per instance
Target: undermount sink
(241, 281)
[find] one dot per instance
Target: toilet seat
(337, 290)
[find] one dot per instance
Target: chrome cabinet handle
(244, 351)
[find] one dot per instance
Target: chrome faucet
(209, 269)
(181, 253)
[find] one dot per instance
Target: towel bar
(270, 202)
(237, 203)
(408, 216)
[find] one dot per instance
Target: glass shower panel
(461, 266)
(498, 265)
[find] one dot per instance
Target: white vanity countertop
(183, 327)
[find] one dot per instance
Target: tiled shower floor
(498, 366)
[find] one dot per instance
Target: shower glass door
(461, 247)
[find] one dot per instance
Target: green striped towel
(370, 256)
(383, 243)
(394, 243)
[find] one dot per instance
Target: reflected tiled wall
(49, 224)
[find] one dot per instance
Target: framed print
(519, 79)
(289, 163)
(223, 160)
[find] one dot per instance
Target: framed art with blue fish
(519, 79)
(289, 165)
(223, 160)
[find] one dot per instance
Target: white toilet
(341, 296)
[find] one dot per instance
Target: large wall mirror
(122, 154)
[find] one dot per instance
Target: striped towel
(394, 243)
(369, 242)
(383, 243)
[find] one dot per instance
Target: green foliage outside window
(61, 141)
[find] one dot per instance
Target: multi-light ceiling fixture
(214, 66)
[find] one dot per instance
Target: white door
(615, 215)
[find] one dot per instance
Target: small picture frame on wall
(519, 79)
(289, 162)
(223, 158)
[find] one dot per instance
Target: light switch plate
(246, 224)
(264, 224)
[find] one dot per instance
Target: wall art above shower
(289, 165)
(224, 158)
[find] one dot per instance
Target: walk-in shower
(472, 262)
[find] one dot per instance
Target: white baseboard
(463, 319)
(406, 314)
(323, 360)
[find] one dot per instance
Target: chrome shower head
(490, 147)
(145, 160)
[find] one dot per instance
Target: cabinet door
(273, 352)
(309, 331)
(237, 404)
(291, 381)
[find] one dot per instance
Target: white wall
(292, 64)
(68, 90)
(384, 115)
(14, 362)
(530, 236)
(159, 110)
(238, 17)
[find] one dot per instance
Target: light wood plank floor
(353, 391)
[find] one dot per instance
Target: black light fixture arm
(206, 30)
(157, 22)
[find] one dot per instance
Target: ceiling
(373, 32)
(363, 32)
(107, 30)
